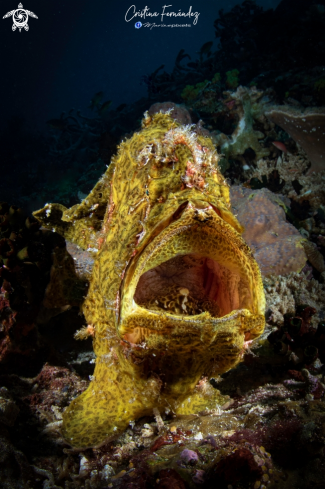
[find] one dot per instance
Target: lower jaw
(189, 346)
(142, 325)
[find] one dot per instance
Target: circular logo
(20, 18)
(137, 25)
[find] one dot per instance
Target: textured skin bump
(167, 228)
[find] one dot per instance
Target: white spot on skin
(198, 436)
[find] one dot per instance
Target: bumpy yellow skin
(164, 197)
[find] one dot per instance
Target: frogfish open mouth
(175, 291)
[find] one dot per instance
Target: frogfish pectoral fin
(112, 400)
(204, 398)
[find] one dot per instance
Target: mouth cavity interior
(190, 285)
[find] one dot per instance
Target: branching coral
(292, 169)
(289, 167)
(248, 106)
(312, 189)
(284, 294)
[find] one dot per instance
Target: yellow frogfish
(175, 292)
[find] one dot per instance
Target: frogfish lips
(193, 276)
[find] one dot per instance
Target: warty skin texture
(174, 292)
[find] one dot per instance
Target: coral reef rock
(285, 294)
(277, 245)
